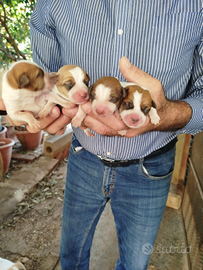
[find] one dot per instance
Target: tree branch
(9, 38)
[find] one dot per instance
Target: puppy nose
(83, 95)
(100, 111)
(135, 120)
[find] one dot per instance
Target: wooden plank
(174, 199)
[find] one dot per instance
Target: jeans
(138, 195)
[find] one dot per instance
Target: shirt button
(108, 153)
(120, 32)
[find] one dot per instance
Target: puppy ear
(153, 104)
(124, 91)
(88, 76)
(53, 77)
(90, 89)
(24, 80)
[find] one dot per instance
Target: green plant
(14, 30)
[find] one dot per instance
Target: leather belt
(124, 163)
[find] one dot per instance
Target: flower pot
(10, 133)
(6, 152)
(3, 132)
(29, 141)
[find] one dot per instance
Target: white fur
(125, 84)
(102, 97)
(8, 265)
(136, 101)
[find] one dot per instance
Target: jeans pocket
(76, 146)
(159, 168)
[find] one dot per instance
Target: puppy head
(106, 95)
(135, 106)
(73, 83)
(27, 75)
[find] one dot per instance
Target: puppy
(106, 95)
(8, 265)
(135, 106)
(26, 87)
(72, 86)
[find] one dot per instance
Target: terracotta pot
(6, 152)
(29, 140)
(3, 132)
(10, 133)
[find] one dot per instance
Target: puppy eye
(68, 85)
(86, 81)
(40, 74)
(114, 100)
(145, 110)
(128, 105)
(92, 96)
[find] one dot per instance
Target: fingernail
(54, 113)
(127, 62)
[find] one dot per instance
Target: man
(164, 44)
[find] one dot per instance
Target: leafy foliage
(14, 30)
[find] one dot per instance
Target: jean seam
(85, 238)
(111, 183)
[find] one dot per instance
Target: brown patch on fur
(26, 75)
(117, 91)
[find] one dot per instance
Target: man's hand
(173, 115)
(53, 123)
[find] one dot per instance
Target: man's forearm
(174, 116)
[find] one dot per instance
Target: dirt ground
(32, 232)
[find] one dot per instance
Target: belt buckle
(106, 159)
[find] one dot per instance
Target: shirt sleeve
(44, 44)
(194, 94)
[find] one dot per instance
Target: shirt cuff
(195, 125)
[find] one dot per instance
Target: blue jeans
(138, 196)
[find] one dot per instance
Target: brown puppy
(135, 107)
(106, 95)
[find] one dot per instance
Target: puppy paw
(34, 124)
(76, 122)
(154, 116)
(122, 132)
(88, 132)
(155, 119)
(43, 114)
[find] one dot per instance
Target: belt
(124, 163)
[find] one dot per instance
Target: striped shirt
(163, 38)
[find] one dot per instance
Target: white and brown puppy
(136, 105)
(106, 95)
(23, 88)
(72, 86)
(8, 265)
(26, 87)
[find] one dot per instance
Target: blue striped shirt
(163, 38)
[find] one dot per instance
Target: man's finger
(99, 127)
(133, 74)
(46, 121)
